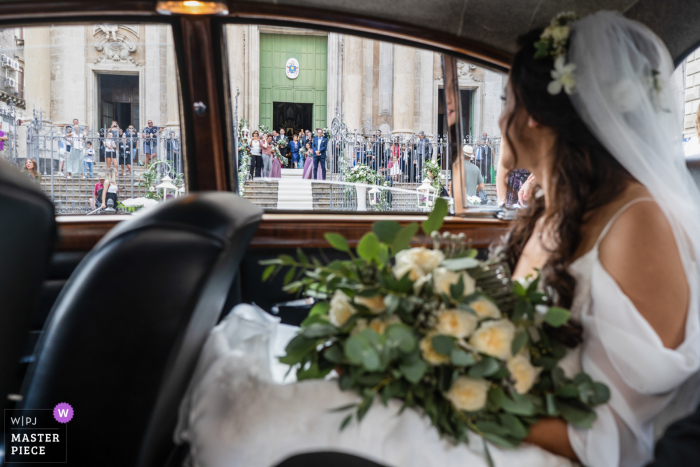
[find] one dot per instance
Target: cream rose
(341, 309)
(523, 372)
(456, 323)
(421, 257)
(379, 325)
(374, 304)
(468, 394)
(430, 355)
(443, 278)
(494, 338)
(485, 308)
(560, 33)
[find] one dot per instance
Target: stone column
(333, 86)
(404, 89)
(368, 78)
(235, 49)
(151, 104)
(68, 74)
(173, 100)
(352, 82)
(492, 103)
(385, 86)
(427, 115)
(37, 69)
(252, 76)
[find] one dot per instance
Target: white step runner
(294, 193)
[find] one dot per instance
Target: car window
(378, 107)
(687, 81)
(78, 100)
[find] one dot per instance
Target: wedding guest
(256, 162)
(282, 143)
(309, 164)
(110, 188)
(276, 166)
(98, 186)
(266, 154)
(124, 155)
(89, 159)
(473, 179)
(75, 162)
(294, 146)
(424, 151)
(394, 158)
(150, 141)
(30, 168)
(319, 151)
(508, 184)
(110, 152)
(484, 158)
(64, 147)
(133, 137)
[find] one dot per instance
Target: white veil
(625, 97)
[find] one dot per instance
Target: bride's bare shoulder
(640, 252)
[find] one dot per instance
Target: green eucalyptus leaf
(313, 372)
(443, 344)
(552, 410)
(486, 367)
(601, 394)
(522, 310)
(403, 237)
(302, 257)
(578, 416)
(334, 354)
(501, 441)
(364, 407)
(518, 404)
(495, 398)
(436, 218)
(557, 316)
(401, 336)
(346, 422)
(368, 247)
(392, 303)
(289, 276)
(457, 290)
(519, 290)
(386, 230)
(319, 308)
(514, 425)
(337, 241)
(519, 341)
(268, 272)
(567, 391)
(314, 319)
(459, 357)
(317, 330)
(414, 372)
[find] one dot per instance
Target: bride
(613, 228)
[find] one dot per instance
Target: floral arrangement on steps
(439, 330)
(361, 173)
(150, 177)
(431, 171)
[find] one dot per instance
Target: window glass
(380, 109)
(687, 80)
(79, 100)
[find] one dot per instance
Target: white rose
(443, 278)
(494, 338)
(456, 323)
(420, 257)
(430, 355)
(374, 304)
(485, 308)
(523, 372)
(340, 310)
(468, 394)
(379, 325)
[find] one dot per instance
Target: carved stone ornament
(464, 70)
(115, 46)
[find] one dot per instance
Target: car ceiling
(498, 23)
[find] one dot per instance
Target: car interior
(113, 312)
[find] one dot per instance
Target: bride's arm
(552, 434)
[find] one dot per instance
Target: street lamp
(192, 7)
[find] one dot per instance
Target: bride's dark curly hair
(585, 175)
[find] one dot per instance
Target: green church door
(308, 89)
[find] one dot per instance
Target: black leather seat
(327, 459)
(123, 338)
(27, 239)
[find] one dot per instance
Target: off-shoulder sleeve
(624, 352)
(631, 344)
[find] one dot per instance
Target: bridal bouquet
(438, 330)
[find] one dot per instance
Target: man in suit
(319, 149)
(423, 151)
(484, 158)
(282, 143)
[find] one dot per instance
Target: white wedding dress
(240, 412)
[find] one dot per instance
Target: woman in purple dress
(308, 162)
(276, 170)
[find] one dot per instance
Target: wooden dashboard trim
(290, 230)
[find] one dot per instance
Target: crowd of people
(118, 148)
(269, 152)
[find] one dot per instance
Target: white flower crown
(553, 42)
